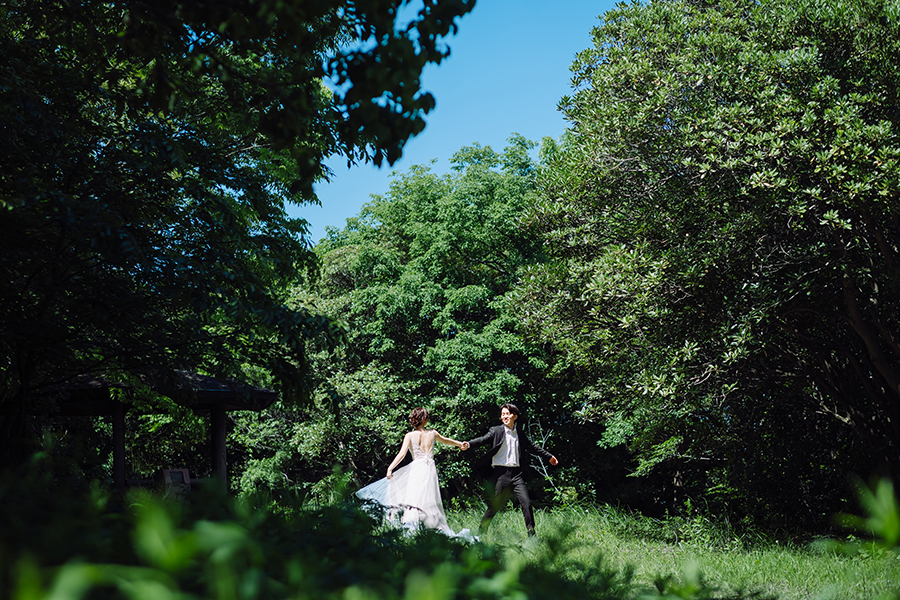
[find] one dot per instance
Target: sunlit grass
(581, 538)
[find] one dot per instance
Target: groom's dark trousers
(508, 480)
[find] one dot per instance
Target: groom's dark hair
(511, 408)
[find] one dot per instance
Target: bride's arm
(446, 440)
(403, 450)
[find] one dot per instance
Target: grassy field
(578, 539)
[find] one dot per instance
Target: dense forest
(693, 294)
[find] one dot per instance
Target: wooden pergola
(92, 396)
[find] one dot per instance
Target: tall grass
(680, 555)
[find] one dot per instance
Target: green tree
(419, 278)
(723, 223)
(149, 150)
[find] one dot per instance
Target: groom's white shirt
(508, 454)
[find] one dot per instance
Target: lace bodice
(417, 452)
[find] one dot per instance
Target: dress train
(412, 497)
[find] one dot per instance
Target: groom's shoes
(531, 533)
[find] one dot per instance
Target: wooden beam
(119, 445)
(219, 462)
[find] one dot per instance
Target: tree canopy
(723, 222)
(149, 150)
(702, 270)
(419, 278)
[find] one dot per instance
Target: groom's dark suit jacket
(494, 437)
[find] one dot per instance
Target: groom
(508, 457)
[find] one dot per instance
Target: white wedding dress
(412, 497)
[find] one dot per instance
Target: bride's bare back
(424, 440)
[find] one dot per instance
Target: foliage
(213, 547)
(421, 280)
(88, 543)
(149, 151)
(418, 279)
(722, 225)
(883, 510)
(880, 527)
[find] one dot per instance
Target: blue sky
(508, 68)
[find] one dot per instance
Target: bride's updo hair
(418, 416)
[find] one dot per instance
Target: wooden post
(219, 463)
(119, 445)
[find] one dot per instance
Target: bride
(411, 496)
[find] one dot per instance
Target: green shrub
(85, 542)
(69, 540)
